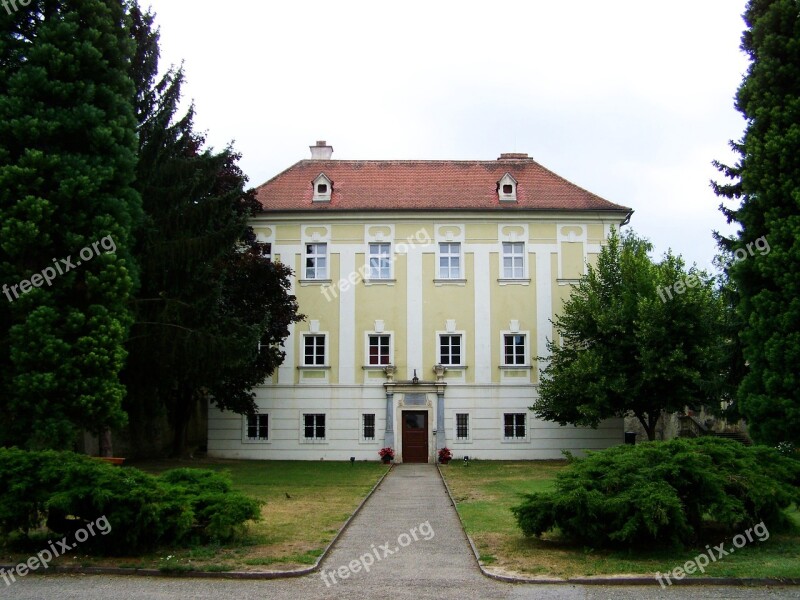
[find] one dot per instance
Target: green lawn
(306, 503)
(486, 490)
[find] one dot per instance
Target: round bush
(664, 492)
(67, 492)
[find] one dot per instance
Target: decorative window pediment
(507, 188)
(323, 186)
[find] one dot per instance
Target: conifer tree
(67, 163)
(766, 182)
(212, 310)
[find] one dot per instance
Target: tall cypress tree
(212, 310)
(67, 163)
(766, 181)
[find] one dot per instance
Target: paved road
(406, 543)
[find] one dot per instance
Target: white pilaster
(483, 313)
(544, 300)
(414, 339)
(347, 317)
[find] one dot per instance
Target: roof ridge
(427, 184)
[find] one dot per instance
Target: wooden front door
(415, 436)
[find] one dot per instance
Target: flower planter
(113, 460)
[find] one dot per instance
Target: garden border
(610, 579)
(191, 574)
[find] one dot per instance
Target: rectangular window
(462, 426)
(450, 349)
(380, 261)
(316, 261)
(449, 260)
(379, 349)
(368, 426)
(258, 428)
(314, 350)
(514, 426)
(314, 426)
(513, 260)
(514, 346)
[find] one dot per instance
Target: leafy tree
(734, 366)
(212, 309)
(67, 163)
(766, 179)
(635, 337)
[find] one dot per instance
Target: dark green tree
(766, 182)
(635, 336)
(212, 310)
(67, 163)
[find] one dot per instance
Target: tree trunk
(181, 415)
(106, 444)
(649, 422)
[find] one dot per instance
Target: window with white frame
(449, 260)
(380, 261)
(314, 426)
(514, 426)
(514, 349)
(368, 426)
(314, 350)
(513, 260)
(379, 349)
(266, 251)
(462, 427)
(257, 428)
(450, 349)
(316, 261)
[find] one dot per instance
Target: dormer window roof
(322, 186)
(507, 188)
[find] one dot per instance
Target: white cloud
(631, 100)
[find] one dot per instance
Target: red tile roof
(426, 185)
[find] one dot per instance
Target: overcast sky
(631, 100)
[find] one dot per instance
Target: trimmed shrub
(219, 512)
(664, 492)
(65, 492)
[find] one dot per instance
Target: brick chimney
(514, 156)
(321, 151)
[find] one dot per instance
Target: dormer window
(322, 186)
(507, 188)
